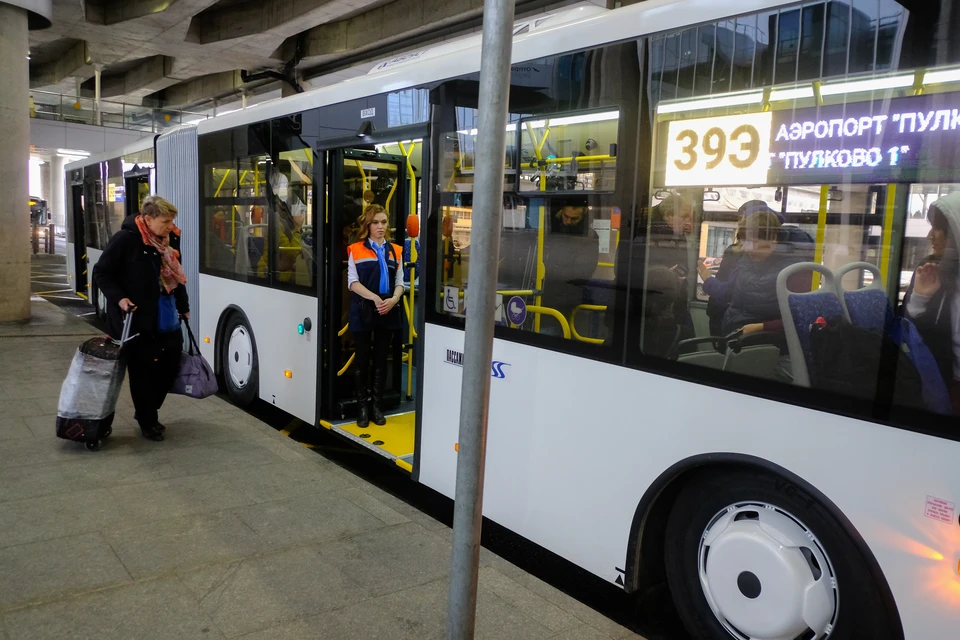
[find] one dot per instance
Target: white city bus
(623, 435)
(102, 190)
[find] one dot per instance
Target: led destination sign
(903, 139)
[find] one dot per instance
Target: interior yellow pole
(821, 234)
(413, 259)
(541, 268)
(886, 245)
(217, 192)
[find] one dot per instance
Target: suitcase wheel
(94, 446)
(106, 433)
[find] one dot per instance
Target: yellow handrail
(222, 182)
(363, 174)
(413, 259)
(553, 313)
(343, 331)
(347, 366)
(516, 292)
(573, 321)
(579, 159)
(407, 310)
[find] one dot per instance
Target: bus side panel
(273, 316)
(574, 443)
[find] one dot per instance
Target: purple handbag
(195, 378)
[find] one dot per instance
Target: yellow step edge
(403, 464)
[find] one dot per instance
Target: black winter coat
(130, 269)
(936, 323)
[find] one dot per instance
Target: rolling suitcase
(88, 397)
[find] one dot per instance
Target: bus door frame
(331, 402)
(78, 221)
(133, 174)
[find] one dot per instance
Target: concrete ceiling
(177, 53)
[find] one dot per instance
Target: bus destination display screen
(897, 140)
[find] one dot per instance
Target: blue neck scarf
(381, 251)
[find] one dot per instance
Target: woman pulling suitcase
(140, 267)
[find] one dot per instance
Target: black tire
(97, 307)
(93, 446)
(243, 395)
(861, 613)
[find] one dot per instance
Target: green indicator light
(300, 329)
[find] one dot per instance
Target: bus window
(289, 191)
(569, 152)
(557, 250)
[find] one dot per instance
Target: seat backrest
(867, 307)
(800, 310)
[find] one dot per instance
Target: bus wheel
(239, 362)
(99, 304)
(750, 555)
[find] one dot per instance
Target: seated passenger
(752, 287)
(661, 330)
(661, 240)
(932, 301)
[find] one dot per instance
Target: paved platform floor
(227, 529)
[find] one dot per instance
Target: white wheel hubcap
(240, 357)
(766, 576)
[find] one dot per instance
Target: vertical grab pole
(821, 234)
(478, 342)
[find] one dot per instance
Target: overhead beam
(394, 21)
(148, 76)
(115, 11)
(252, 18)
(73, 60)
(198, 90)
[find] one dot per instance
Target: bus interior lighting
(798, 93)
(735, 100)
(584, 119)
(937, 77)
(873, 84)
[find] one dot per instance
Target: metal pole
(481, 307)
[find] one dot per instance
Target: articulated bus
(787, 465)
(101, 191)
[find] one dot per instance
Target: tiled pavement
(227, 529)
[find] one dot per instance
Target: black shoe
(361, 394)
(152, 434)
(161, 428)
(363, 417)
(376, 415)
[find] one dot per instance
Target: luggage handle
(125, 337)
(193, 340)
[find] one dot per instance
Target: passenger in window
(661, 241)
(290, 215)
(731, 257)
(375, 279)
(751, 290)
(932, 300)
(571, 253)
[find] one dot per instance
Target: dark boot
(375, 414)
(360, 391)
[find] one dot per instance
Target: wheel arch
(228, 312)
(644, 564)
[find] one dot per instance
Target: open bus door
(136, 184)
(357, 178)
(78, 223)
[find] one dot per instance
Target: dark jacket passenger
(130, 269)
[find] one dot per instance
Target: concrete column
(57, 203)
(96, 93)
(15, 134)
(45, 185)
